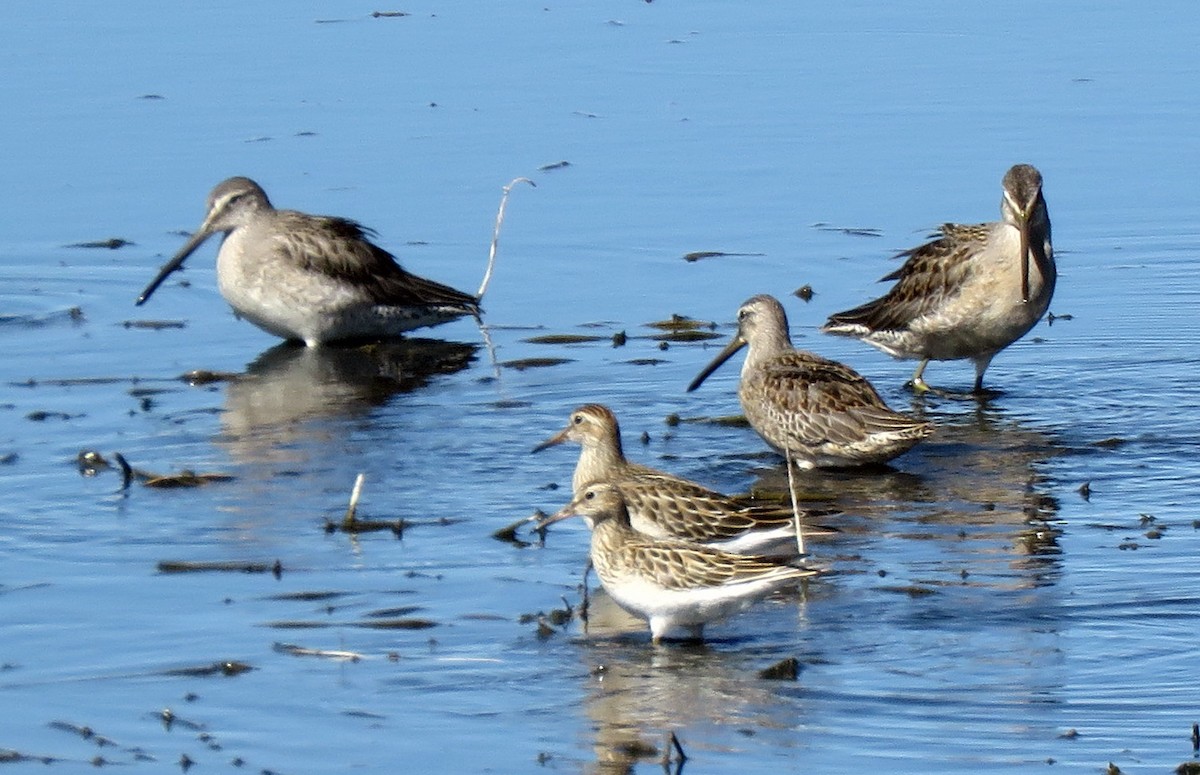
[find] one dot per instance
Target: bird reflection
(977, 477)
(271, 408)
(637, 695)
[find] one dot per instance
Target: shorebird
(676, 585)
(817, 412)
(312, 278)
(664, 506)
(969, 293)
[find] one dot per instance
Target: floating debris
(205, 377)
(74, 314)
(912, 590)
(724, 421)
(558, 165)
(307, 597)
(783, 670)
(521, 364)
(699, 254)
(389, 14)
(220, 566)
(682, 323)
(155, 325)
(9, 756)
(508, 533)
(356, 526)
(804, 293)
(83, 731)
(853, 231)
(301, 651)
(564, 339)
(112, 243)
(544, 630)
(397, 624)
(226, 668)
(185, 479)
(686, 335)
(619, 339)
(646, 361)
(1051, 317)
(394, 612)
(42, 416)
(1085, 491)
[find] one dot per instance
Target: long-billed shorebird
(676, 585)
(312, 278)
(817, 412)
(968, 294)
(664, 506)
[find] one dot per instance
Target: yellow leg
(918, 381)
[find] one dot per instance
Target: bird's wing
(343, 249)
(930, 274)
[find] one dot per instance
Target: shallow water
(980, 614)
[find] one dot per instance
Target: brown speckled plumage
(665, 506)
(819, 412)
(969, 293)
(676, 586)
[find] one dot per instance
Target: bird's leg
(917, 382)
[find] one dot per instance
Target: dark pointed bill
(1024, 231)
(734, 345)
(188, 248)
(566, 512)
(554, 440)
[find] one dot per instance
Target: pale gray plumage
(308, 277)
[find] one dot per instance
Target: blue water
(981, 614)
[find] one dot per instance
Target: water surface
(981, 614)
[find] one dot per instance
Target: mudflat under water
(984, 611)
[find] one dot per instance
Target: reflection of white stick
(355, 494)
(487, 275)
(795, 509)
(491, 348)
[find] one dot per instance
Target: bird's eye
(589, 495)
(578, 419)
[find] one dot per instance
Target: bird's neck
(598, 461)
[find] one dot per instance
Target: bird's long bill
(566, 512)
(734, 345)
(188, 248)
(554, 440)
(1024, 230)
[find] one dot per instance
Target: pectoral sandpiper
(676, 585)
(665, 506)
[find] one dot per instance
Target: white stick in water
(795, 508)
(487, 275)
(355, 494)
